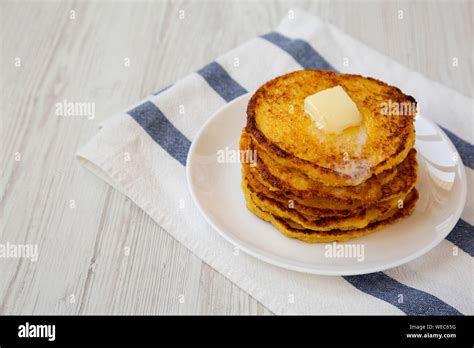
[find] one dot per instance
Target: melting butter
(332, 110)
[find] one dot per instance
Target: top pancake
(276, 120)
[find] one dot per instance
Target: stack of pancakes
(318, 186)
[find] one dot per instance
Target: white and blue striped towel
(142, 152)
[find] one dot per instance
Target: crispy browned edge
(261, 139)
(282, 198)
(287, 189)
(407, 210)
(306, 234)
(322, 221)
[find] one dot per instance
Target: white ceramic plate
(215, 187)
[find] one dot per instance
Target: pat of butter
(332, 110)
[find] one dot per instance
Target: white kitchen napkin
(142, 153)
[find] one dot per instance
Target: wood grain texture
(98, 252)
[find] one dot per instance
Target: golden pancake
(314, 213)
(293, 230)
(307, 192)
(289, 178)
(399, 186)
(354, 221)
(300, 187)
(277, 122)
(309, 212)
(310, 202)
(349, 197)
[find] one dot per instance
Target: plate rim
(255, 253)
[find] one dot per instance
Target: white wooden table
(98, 252)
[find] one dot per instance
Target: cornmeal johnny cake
(330, 165)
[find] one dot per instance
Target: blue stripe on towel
(221, 82)
(409, 300)
(300, 50)
(161, 130)
(163, 89)
(465, 149)
(462, 236)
